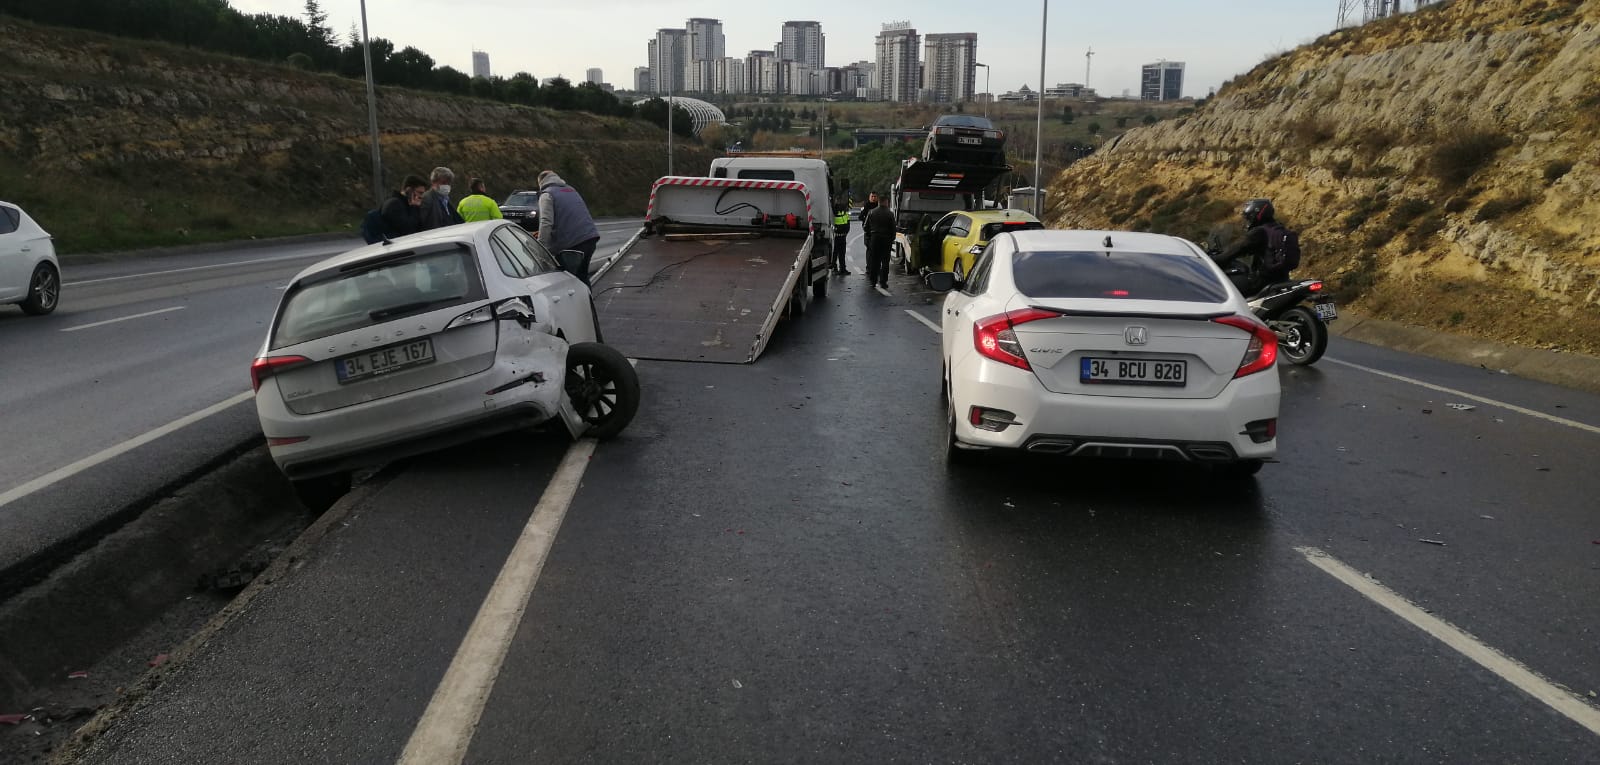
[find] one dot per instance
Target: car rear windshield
(405, 286)
(992, 230)
(964, 121)
(521, 200)
(1117, 275)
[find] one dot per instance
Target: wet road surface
(773, 564)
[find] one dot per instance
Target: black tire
(318, 494)
(819, 288)
(1303, 338)
(798, 300)
(953, 454)
(44, 290)
(1241, 470)
(603, 388)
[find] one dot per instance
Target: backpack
(372, 227)
(1283, 249)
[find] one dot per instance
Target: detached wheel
(1302, 337)
(603, 388)
(44, 290)
(318, 494)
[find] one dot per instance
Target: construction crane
(1088, 59)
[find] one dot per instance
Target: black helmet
(1258, 211)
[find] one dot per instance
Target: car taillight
(1315, 287)
(1263, 350)
(265, 367)
(995, 339)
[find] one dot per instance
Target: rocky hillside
(114, 143)
(1442, 166)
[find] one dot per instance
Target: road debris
(1433, 542)
(14, 719)
(159, 660)
(1543, 469)
(737, 684)
(1008, 504)
(1427, 411)
(1462, 407)
(79, 675)
(1487, 517)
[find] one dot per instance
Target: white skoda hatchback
(1106, 344)
(430, 340)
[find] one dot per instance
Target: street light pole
(1038, 137)
(988, 95)
(372, 111)
(669, 125)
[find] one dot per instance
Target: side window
(541, 256)
(508, 265)
(980, 273)
(9, 220)
(518, 252)
(961, 226)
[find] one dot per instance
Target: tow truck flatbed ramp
(712, 299)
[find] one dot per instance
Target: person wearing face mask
(437, 211)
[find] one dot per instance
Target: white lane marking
(925, 321)
(446, 728)
(1480, 399)
(1509, 669)
(125, 318)
(198, 268)
(90, 461)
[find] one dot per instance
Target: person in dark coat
(880, 239)
(437, 210)
(402, 213)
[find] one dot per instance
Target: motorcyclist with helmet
(1259, 215)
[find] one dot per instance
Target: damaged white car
(428, 341)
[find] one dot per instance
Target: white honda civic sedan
(430, 340)
(1106, 344)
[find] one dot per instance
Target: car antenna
(1108, 241)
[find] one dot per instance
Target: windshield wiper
(404, 308)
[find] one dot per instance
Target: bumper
(412, 423)
(1211, 430)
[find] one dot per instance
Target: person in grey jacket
(565, 224)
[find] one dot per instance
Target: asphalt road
(773, 564)
(140, 346)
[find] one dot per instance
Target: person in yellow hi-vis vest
(841, 239)
(478, 205)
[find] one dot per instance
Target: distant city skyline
(611, 34)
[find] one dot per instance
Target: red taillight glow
(1315, 287)
(995, 339)
(1263, 350)
(1118, 293)
(262, 368)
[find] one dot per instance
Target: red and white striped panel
(728, 183)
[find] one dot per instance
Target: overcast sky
(1217, 40)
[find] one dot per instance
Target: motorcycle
(1302, 331)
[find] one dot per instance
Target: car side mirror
(942, 281)
(571, 260)
(517, 309)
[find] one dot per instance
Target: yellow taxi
(962, 235)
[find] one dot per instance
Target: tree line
(309, 43)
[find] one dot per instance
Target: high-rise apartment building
(642, 81)
(705, 46)
(1162, 81)
(594, 77)
(669, 60)
(728, 76)
(480, 64)
(761, 72)
(899, 71)
(949, 66)
(859, 80)
(804, 43)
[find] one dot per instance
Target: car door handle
(27, 249)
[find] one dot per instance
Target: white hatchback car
(30, 275)
(1106, 344)
(427, 341)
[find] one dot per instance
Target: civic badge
(1136, 335)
